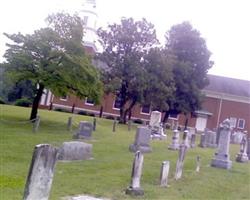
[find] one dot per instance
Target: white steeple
(89, 17)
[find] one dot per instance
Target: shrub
(2, 101)
(83, 112)
(110, 117)
(24, 102)
(61, 110)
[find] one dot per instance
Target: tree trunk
(36, 102)
(165, 119)
(101, 111)
(186, 122)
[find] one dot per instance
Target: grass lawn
(108, 174)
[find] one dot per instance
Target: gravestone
(181, 156)
(135, 186)
(84, 131)
(198, 163)
(75, 150)
(222, 157)
(203, 140)
(164, 173)
(242, 155)
(41, 173)
(211, 139)
(193, 137)
(142, 140)
(186, 138)
(175, 141)
(155, 125)
(236, 137)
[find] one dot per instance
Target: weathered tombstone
(242, 155)
(193, 136)
(142, 140)
(211, 139)
(75, 150)
(237, 137)
(180, 161)
(175, 141)
(222, 157)
(36, 124)
(135, 186)
(84, 131)
(69, 124)
(164, 173)
(198, 163)
(186, 138)
(114, 125)
(156, 126)
(94, 124)
(41, 173)
(155, 119)
(129, 125)
(203, 140)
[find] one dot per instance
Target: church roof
(229, 86)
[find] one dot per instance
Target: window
(89, 101)
(145, 109)
(173, 116)
(117, 103)
(241, 123)
(233, 122)
(64, 98)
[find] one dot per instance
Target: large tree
(124, 46)
(54, 58)
(190, 70)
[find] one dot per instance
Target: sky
(224, 24)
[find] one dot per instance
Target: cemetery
(63, 158)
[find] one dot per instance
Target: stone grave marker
(175, 141)
(156, 126)
(142, 140)
(69, 123)
(135, 186)
(211, 139)
(198, 163)
(164, 173)
(75, 150)
(242, 155)
(222, 156)
(84, 131)
(193, 137)
(41, 173)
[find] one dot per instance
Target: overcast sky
(223, 23)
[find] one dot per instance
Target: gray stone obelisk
(41, 173)
(164, 173)
(135, 186)
(222, 157)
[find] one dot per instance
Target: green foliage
(54, 58)
(62, 110)
(24, 102)
(124, 46)
(138, 121)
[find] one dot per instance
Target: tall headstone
(203, 140)
(164, 173)
(84, 131)
(186, 138)
(36, 124)
(142, 140)
(242, 155)
(69, 124)
(175, 141)
(135, 185)
(193, 136)
(198, 163)
(222, 157)
(75, 150)
(41, 173)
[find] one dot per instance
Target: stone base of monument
(143, 149)
(243, 158)
(174, 147)
(225, 164)
(158, 136)
(79, 136)
(134, 191)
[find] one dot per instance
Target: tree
(54, 58)
(124, 46)
(190, 70)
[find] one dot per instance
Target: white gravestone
(242, 155)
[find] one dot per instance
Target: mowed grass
(108, 174)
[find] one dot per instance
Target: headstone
(155, 119)
(180, 161)
(211, 139)
(135, 186)
(242, 155)
(193, 136)
(36, 124)
(84, 131)
(41, 173)
(114, 125)
(94, 124)
(237, 137)
(222, 157)
(75, 150)
(156, 126)
(129, 125)
(164, 173)
(175, 141)
(142, 140)
(203, 140)
(69, 124)
(198, 163)
(185, 138)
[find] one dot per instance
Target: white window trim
(143, 113)
(244, 121)
(64, 99)
(114, 108)
(175, 118)
(88, 104)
